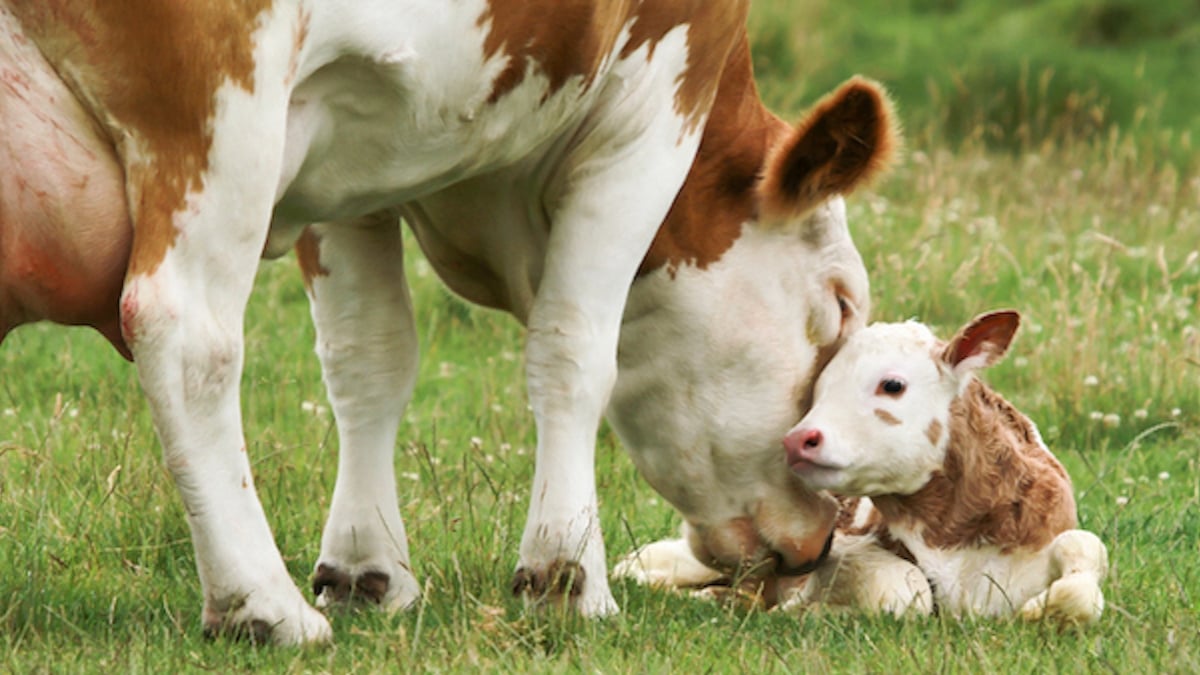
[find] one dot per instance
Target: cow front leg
(182, 316)
(600, 231)
(367, 343)
(200, 192)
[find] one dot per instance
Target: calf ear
(982, 342)
(848, 138)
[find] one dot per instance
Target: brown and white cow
(547, 155)
(955, 501)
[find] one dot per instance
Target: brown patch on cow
(732, 546)
(149, 72)
(847, 139)
(998, 485)
(887, 417)
(799, 532)
(807, 391)
(308, 256)
(847, 513)
(897, 548)
(582, 33)
(934, 432)
(718, 197)
(299, 40)
(572, 43)
(711, 25)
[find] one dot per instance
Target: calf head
(880, 419)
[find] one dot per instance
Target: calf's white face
(881, 413)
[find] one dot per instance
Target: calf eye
(890, 387)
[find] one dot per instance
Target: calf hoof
(1074, 600)
(260, 625)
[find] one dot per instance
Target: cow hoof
(561, 583)
(244, 623)
(334, 587)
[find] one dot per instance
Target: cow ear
(847, 139)
(982, 342)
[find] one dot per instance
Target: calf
(951, 500)
(954, 480)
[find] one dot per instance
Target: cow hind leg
(367, 344)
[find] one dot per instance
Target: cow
(949, 498)
(603, 171)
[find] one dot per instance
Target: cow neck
(998, 485)
(718, 196)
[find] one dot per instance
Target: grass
(1093, 238)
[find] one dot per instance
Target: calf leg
(862, 575)
(1078, 563)
(367, 343)
(669, 563)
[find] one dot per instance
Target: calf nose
(803, 444)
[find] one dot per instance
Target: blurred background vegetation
(1016, 74)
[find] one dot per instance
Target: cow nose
(803, 444)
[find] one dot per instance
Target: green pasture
(1090, 228)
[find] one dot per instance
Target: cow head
(758, 283)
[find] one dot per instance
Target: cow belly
(64, 226)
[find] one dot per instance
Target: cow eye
(890, 386)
